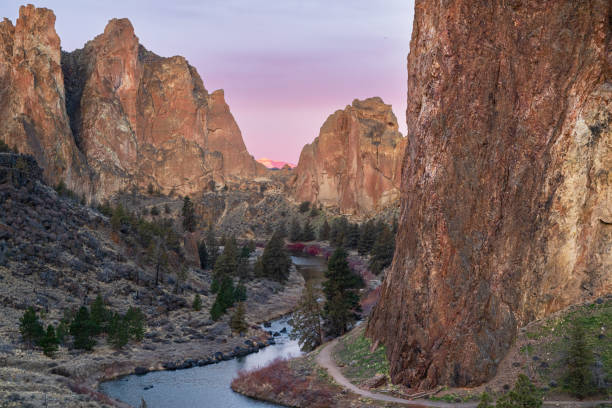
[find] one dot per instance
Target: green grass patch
(353, 352)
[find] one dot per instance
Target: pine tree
(135, 321)
(382, 251)
(295, 231)
(523, 395)
(30, 327)
(203, 253)
(83, 329)
(275, 261)
(100, 315)
(227, 262)
(197, 303)
(238, 322)
(324, 231)
(578, 376)
(211, 246)
(367, 236)
(225, 298)
(306, 321)
(352, 236)
(49, 342)
(485, 401)
(308, 232)
(338, 232)
(118, 334)
(189, 219)
(341, 308)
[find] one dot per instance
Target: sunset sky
(285, 65)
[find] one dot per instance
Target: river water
(209, 386)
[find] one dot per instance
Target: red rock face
(32, 104)
(142, 119)
(506, 188)
(354, 165)
(113, 115)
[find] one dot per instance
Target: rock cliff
(113, 115)
(506, 195)
(355, 163)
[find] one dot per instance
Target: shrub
(304, 206)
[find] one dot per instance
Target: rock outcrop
(32, 99)
(506, 202)
(113, 116)
(355, 163)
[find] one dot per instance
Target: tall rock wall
(355, 163)
(506, 196)
(113, 115)
(32, 99)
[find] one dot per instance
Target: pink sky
(285, 65)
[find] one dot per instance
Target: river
(209, 386)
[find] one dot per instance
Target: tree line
(83, 326)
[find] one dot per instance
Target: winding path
(325, 360)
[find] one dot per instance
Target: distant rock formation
(113, 115)
(506, 203)
(275, 164)
(355, 163)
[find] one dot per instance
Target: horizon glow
(285, 65)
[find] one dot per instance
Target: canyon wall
(506, 193)
(113, 115)
(355, 163)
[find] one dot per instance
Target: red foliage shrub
(313, 250)
(296, 247)
(283, 383)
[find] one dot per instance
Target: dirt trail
(325, 360)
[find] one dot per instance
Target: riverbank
(175, 340)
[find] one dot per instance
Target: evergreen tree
(275, 261)
(49, 342)
(324, 231)
(100, 316)
(367, 236)
(238, 322)
(308, 232)
(281, 230)
(382, 251)
(304, 206)
(189, 218)
(224, 299)
(523, 395)
(338, 232)
(295, 231)
(83, 329)
(30, 327)
(351, 240)
(118, 335)
(306, 321)
(341, 308)
(197, 303)
(227, 262)
(485, 401)
(203, 253)
(240, 293)
(578, 376)
(135, 320)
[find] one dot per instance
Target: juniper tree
(308, 232)
(188, 213)
(523, 395)
(382, 251)
(341, 291)
(100, 316)
(30, 327)
(306, 321)
(295, 231)
(324, 231)
(83, 329)
(275, 261)
(197, 303)
(578, 376)
(238, 322)
(49, 342)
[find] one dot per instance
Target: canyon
(506, 187)
(114, 117)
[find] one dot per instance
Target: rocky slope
(57, 255)
(506, 188)
(355, 163)
(113, 115)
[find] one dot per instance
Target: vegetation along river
(209, 386)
